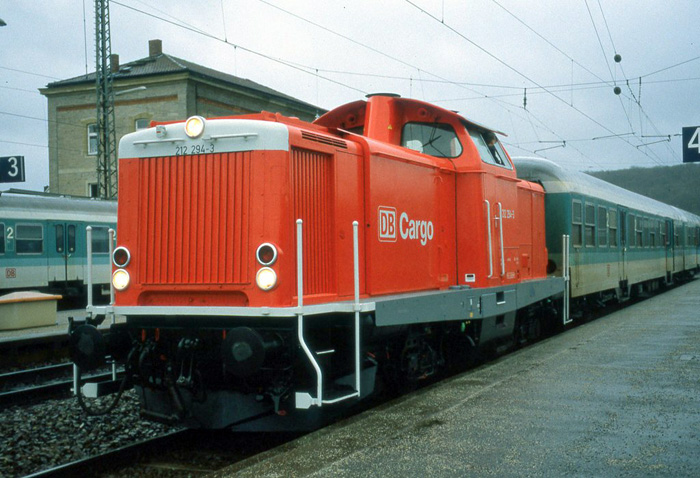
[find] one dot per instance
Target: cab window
(434, 139)
(490, 149)
(29, 239)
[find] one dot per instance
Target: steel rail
(117, 458)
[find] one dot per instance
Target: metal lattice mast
(106, 134)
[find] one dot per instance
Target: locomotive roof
(332, 116)
(556, 179)
(39, 208)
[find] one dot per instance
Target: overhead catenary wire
(518, 72)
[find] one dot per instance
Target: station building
(159, 87)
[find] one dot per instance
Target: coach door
(623, 246)
(668, 246)
(63, 258)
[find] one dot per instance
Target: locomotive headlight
(266, 278)
(121, 256)
(194, 126)
(120, 279)
(266, 254)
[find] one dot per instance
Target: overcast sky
(483, 58)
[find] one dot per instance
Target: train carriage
(620, 241)
(43, 242)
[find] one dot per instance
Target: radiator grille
(338, 143)
(194, 213)
(313, 203)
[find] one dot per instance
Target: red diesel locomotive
(268, 268)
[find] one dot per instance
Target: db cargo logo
(407, 228)
(387, 224)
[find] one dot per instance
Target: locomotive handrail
(567, 278)
(488, 228)
(88, 232)
(305, 400)
(500, 230)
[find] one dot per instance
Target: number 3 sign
(12, 169)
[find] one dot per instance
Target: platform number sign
(12, 169)
(691, 144)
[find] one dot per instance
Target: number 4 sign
(12, 169)
(691, 144)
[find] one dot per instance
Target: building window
(93, 190)
(141, 123)
(577, 224)
(92, 139)
(30, 239)
(590, 225)
(612, 225)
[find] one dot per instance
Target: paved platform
(59, 328)
(619, 396)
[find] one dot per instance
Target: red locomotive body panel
(193, 222)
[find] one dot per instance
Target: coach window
(576, 224)
(676, 241)
(590, 225)
(92, 139)
(663, 241)
(434, 139)
(638, 231)
(490, 149)
(652, 233)
(2, 238)
(602, 226)
(60, 238)
(100, 240)
(612, 226)
(29, 239)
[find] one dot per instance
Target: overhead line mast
(106, 134)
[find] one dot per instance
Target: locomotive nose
(245, 350)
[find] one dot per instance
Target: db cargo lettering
(413, 230)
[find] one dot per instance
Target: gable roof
(164, 64)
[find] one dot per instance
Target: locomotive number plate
(197, 148)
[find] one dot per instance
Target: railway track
(116, 458)
(40, 383)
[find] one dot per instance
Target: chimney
(114, 63)
(155, 47)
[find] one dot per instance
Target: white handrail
(500, 227)
(300, 319)
(488, 228)
(567, 278)
(88, 231)
(356, 273)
